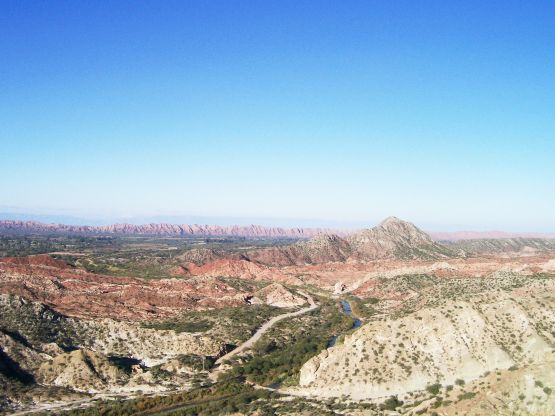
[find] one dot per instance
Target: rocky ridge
(391, 239)
(521, 246)
(52, 282)
(394, 238)
(457, 340)
(162, 229)
(182, 230)
(41, 348)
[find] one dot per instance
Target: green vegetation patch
(280, 353)
(228, 325)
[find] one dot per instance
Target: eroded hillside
(465, 328)
(453, 341)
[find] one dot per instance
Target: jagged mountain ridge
(504, 245)
(392, 238)
(320, 249)
(34, 227)
(166, 229)
(395, 238)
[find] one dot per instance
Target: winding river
(347, 310)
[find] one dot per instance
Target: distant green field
(135, 256)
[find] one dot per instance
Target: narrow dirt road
(213, 375)
(265, 327)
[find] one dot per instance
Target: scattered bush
(434, 388)
(391, 404)
(467, 395)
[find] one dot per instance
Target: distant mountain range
(174, 230)
(249, 231)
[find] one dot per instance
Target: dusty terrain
(462, 327)
(77, 293)
(461, 337)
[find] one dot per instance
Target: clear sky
(439, 112)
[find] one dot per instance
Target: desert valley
(251, 320)
(271, 208)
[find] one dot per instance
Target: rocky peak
(392, 238)
(395, 238)
(391, 220)
(402, 229)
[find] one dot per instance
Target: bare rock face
(152, 347)
(323, 248)
(277, 295)
(310, 370)
(104, 354)
(239, 268)
(461, 340)
(339, 288)
(81, 370)
(549, 266)
(32, 334)
(394, 238)
(163, 229)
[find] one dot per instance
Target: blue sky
(438, 112)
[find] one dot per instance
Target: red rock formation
(38, 260)
(78, 293)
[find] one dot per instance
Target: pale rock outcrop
(277, 295)
(549, 266)
(394, 238)
(462, 340)
(81, 370)
(152, 347)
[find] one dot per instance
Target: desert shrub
(277, 362)
(196, 362)
(391, 403)
(433, 388)
(467, 395)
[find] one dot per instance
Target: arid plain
(251, 320)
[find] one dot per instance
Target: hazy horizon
(95, 221)
(440, 113)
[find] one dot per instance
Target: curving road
(213, 375)
(264, 328)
